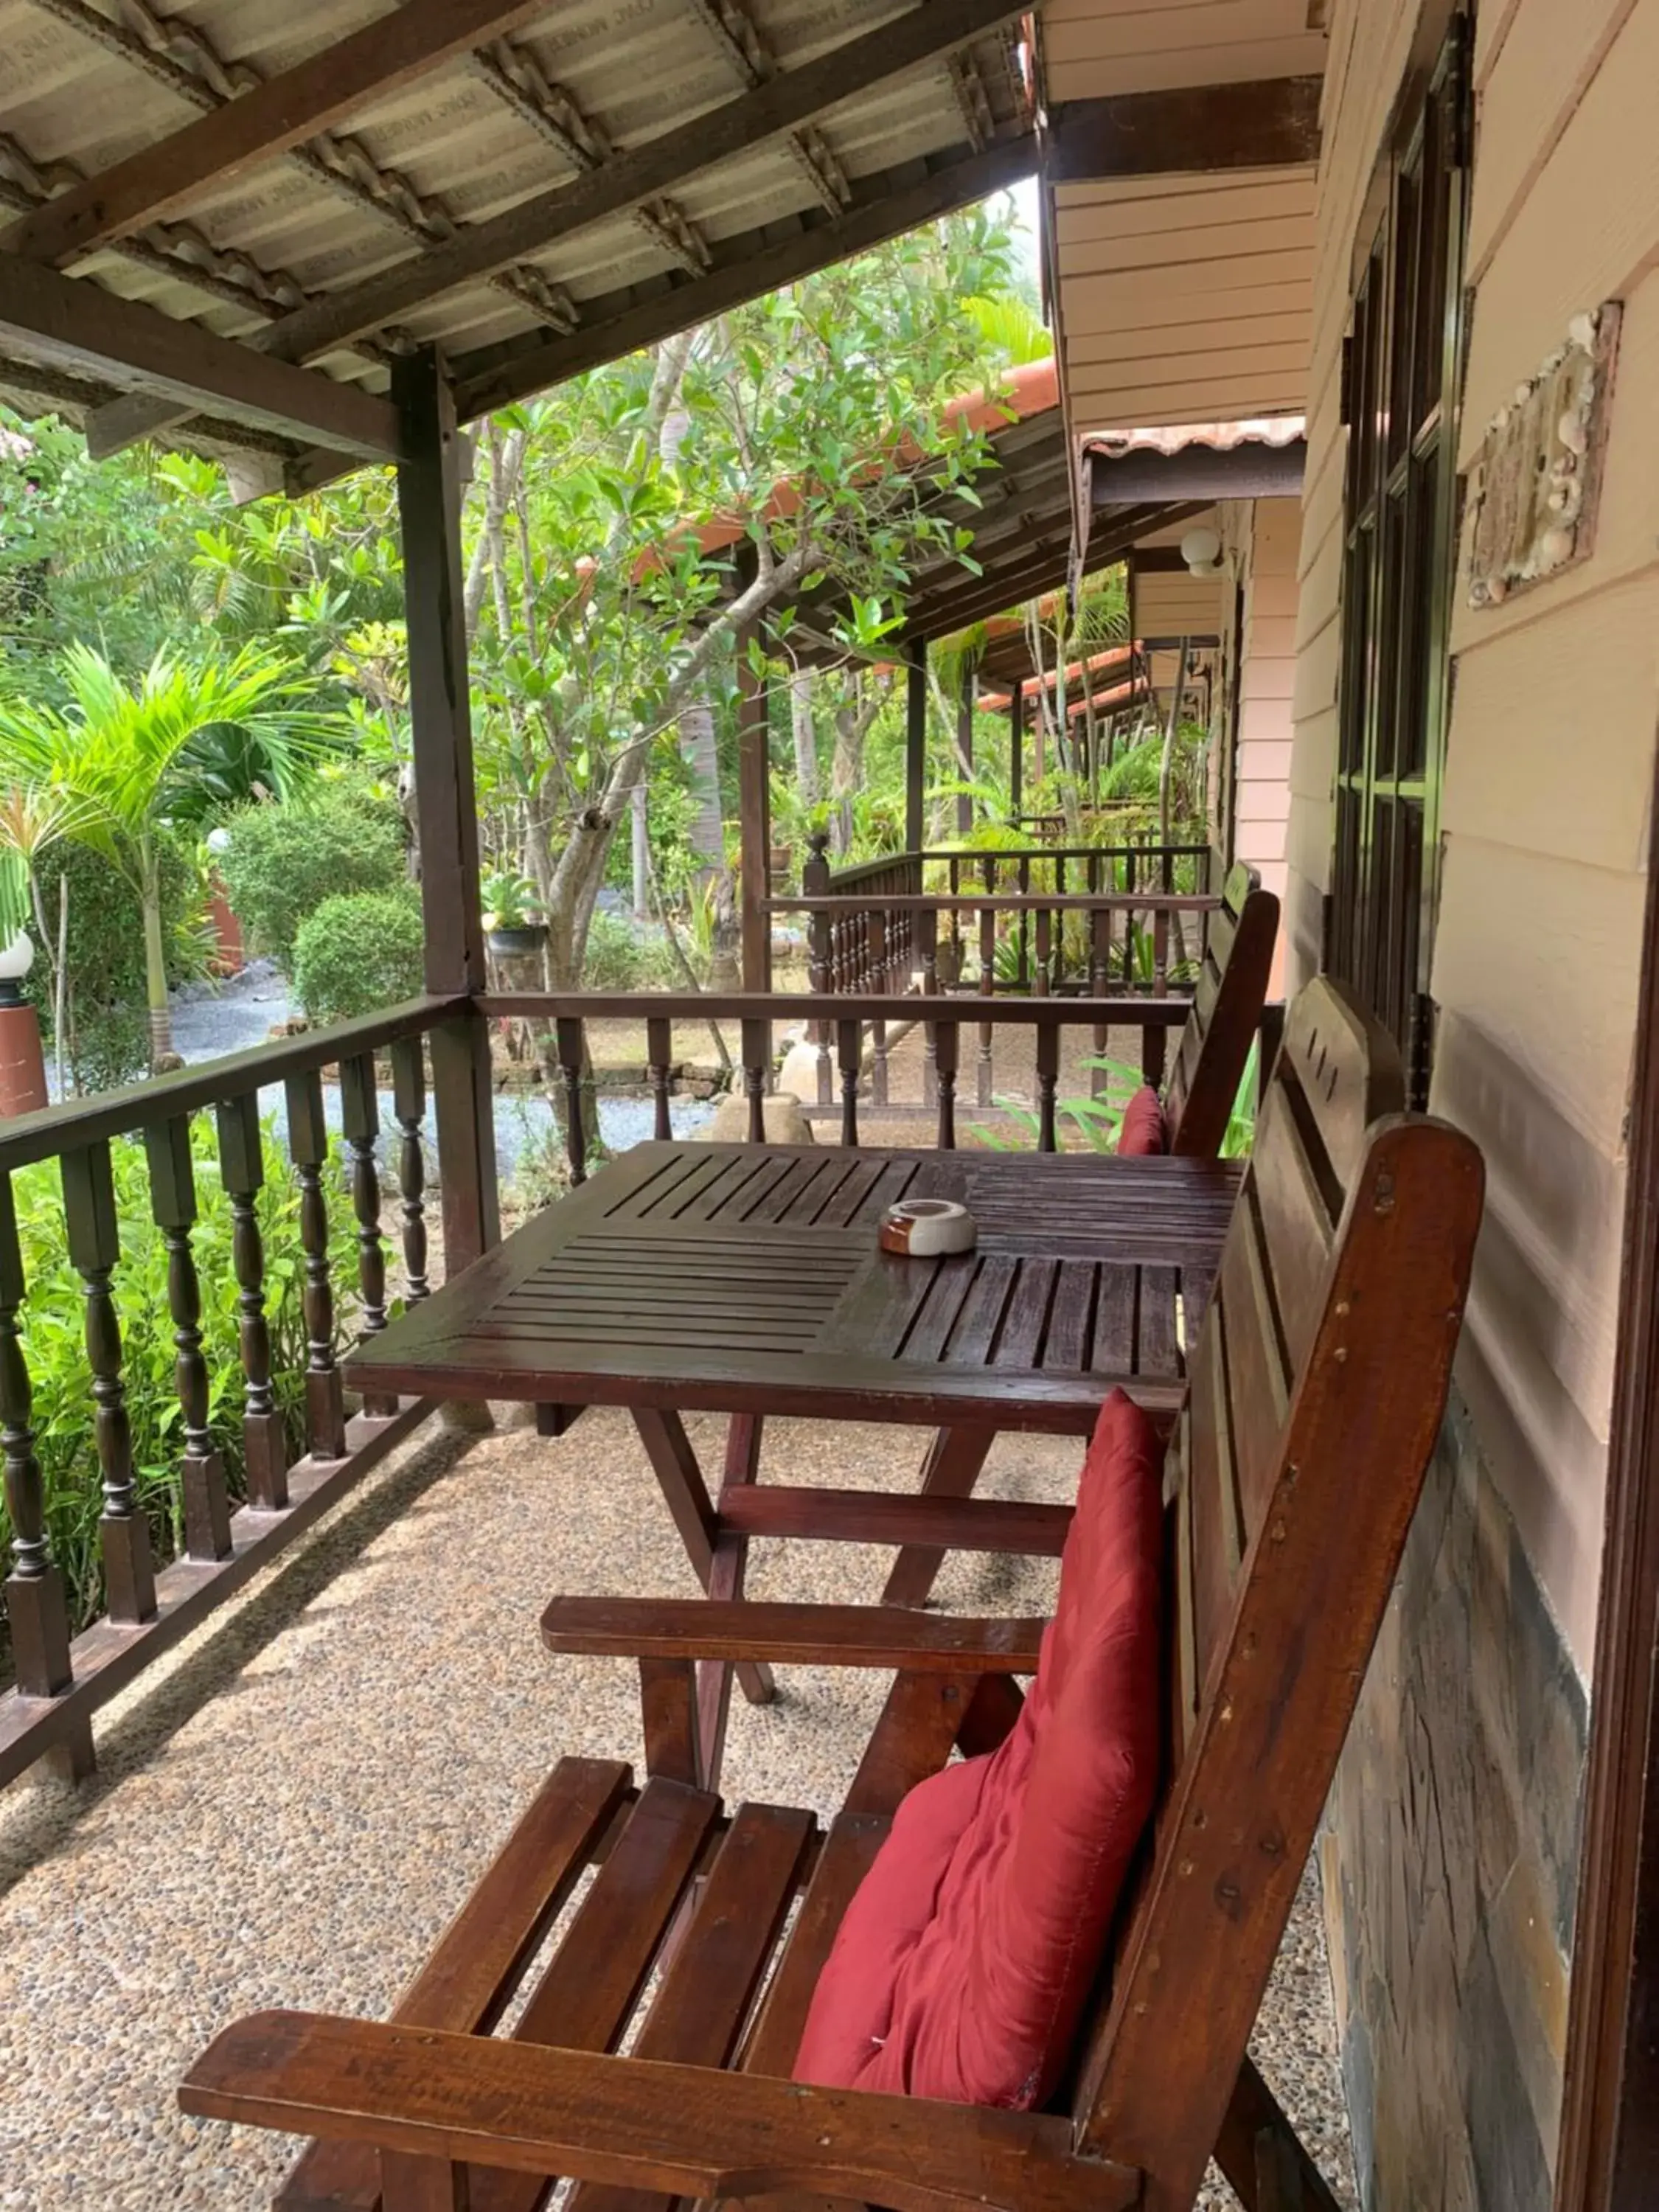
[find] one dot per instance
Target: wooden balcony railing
(299, 1448)
(62, 1677)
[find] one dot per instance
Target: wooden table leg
(952, 1469)
(680, 1480)
(743, 1450)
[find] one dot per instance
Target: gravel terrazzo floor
(288, 1809)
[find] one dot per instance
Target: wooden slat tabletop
(747, 1278)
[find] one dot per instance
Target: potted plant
(513, 914)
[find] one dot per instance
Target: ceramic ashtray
(924, 1228)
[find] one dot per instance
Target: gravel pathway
(289, 1808)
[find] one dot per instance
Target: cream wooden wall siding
(1167, 605)
(1551, 747)
(1094, 47)
(1267, 684)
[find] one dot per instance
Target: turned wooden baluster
(409, 1107)
(572, 1045)
(1100, 981)
(815, 883)
(659, 1056)
(1024, 878)
(1048, 1075)
(1045, 952)
(242, 1169)
(307, 1143)
(202, 1468)
(360, 1124)
(945, 1045)
(929, 989)
(988, 984)
(95, 1246)
(757, 1050)
(36, 1608)
(1130, 871)
(848, 1053)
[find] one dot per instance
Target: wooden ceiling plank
(620, 187)
(1270, 124)
(267, 121)
(71, 324)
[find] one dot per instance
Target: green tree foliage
(280, 862)
(105, 1038)
(360, 953)
(132, 759)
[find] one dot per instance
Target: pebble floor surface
(288, 1810)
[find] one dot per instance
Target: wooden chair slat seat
(1317, 1386)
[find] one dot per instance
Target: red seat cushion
(1141, 1134)
(967, 1953)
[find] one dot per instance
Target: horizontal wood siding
(1095, 47)
(1267, 686)
(1187, 298)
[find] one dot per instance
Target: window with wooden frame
(1401, 371)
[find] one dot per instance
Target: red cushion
(969, 1949)
(1141, 1134)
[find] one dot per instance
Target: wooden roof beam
(267, 121)
(70, 324)
(735, 32)
(626, 184)
(1271, 124)
(744, 268)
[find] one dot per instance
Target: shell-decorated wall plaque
(1537, 482)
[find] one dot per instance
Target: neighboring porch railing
(62, 1677)
(756, 1013)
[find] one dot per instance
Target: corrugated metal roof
(85, 84)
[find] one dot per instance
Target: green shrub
(54, 1345)
(108, 1035)
(282, 861)
(618, 959)
(358, 954)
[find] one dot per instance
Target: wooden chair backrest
(1216, 1035)
(1317, 1386)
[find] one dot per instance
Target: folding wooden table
(746, 1280)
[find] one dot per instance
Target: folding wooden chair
(1317, 1390)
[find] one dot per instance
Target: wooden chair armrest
(802, 1635)
(691, 2132)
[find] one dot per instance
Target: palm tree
(127, 761)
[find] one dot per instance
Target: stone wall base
(1449, 1865)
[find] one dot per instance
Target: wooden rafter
(389, 51)
(553, 113)
(634, 179)
(736, 34)
(1269, 124)
(84, 330)
(744, 268)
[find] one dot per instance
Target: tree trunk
(1166, 762)
(161, 1054)
(641, 841)
(706, 833)
(806, 736)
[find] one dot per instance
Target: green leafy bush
(54, 1345)
(108, 1035)
(618, 959)
(282, 861)
(360, 953)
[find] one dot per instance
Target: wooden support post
(915, 745)
(754, 814)
(429, 508)
(1017, 751)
